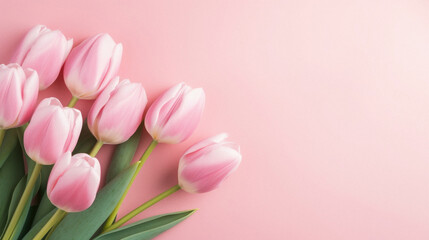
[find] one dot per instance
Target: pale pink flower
(53, 130)
(92, 65)
(73, 182)
(45, 51)
(174, 116)
(19, 89)
(117, 112)
(206, 164)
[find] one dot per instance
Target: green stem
(141, 208)
(24, 198)
(143, 159)
(96, 148)
(2, 132)
(53, 221)
(51, 231)
(72, 102)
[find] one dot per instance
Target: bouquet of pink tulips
(49, 172)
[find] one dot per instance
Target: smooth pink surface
(329, 101)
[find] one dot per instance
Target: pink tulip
(73, 182)
(92, 65)
(206, 164)
(117, 112)
(18, 95)
(45, 51)
(53, 130)
(174, 116)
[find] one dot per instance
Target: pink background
(328, 99)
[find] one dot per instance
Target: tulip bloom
(73, 182)
(53, 130)
(201, 169)
(18, 95)
(45, 51)
(117, 112)
(206, 164)
(92, 65)
(174, 116)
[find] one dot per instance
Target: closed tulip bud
(92, 65)
(206, 164)
(45, 51)
(18, 95)
(174, 116)
(53, 130)
(117, 112)
(73, 182)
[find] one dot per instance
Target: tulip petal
(97, 61)
(68, 48)
(47, 135)
(92, 65)
(185, 118)
(74, 64)
(97, 107)
(208, 164)
(122, 114)
(55, 133)
(27, 42)
(29, 96)
(208, 174)
(10, 95)
(117, 112)
(153, 113)
(207, 142)
(75, 190)
(75, 120)
(74, 182)
(47, 57)
(58, 170)
(113, 68)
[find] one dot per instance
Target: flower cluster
(51, 131)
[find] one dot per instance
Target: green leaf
(10, 174)
(25, 216)
(17, 192)
(147, 228)
(16, 196)
(39, 225)
(9, 142)
(46, 209)
(27, 224)
(44, 173)
(30, 162)
(123, 155)
(45, 206)
(83, 225)
(46, 169)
